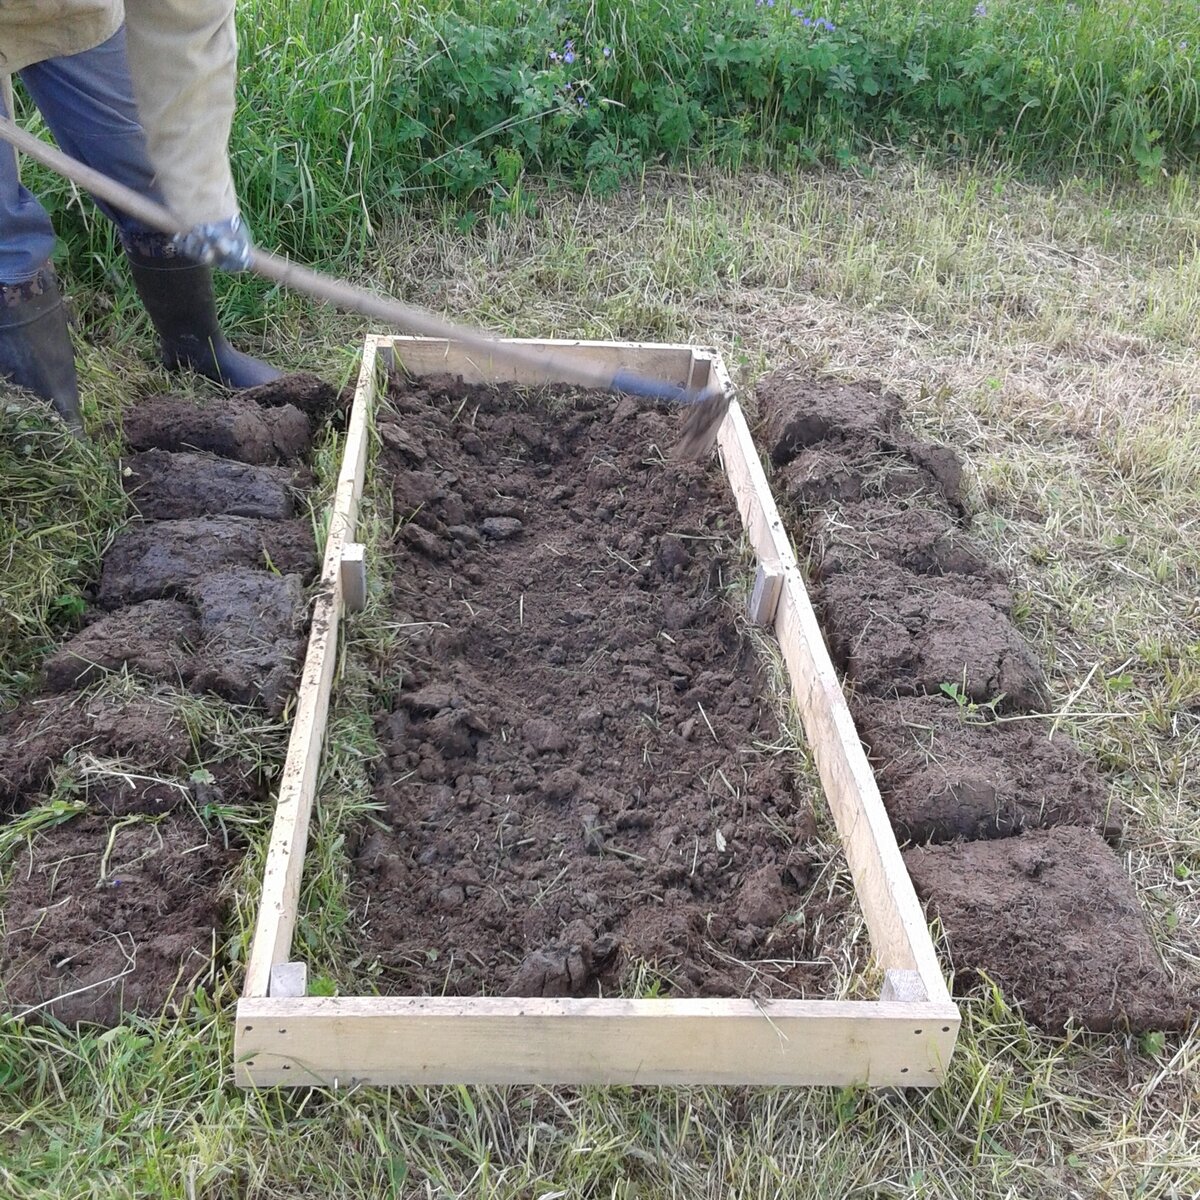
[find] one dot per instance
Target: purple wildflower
(807, 22)
(797, 12)
(981, 9)
(608, 52)
(554, 56)
(828, 25)
(569, 57)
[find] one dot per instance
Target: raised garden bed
(598, 719)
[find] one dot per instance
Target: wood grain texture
(441, 1040)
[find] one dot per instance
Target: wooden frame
(904, 1038)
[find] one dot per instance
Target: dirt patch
(896, 633)
(39, 734)
(576, 788)
(923, 540)
(169, 558)
(164, 487)
(105, 919)
(800, 409)
(944, 774)
(309, 393)
(866, 469)
(250, 623)
(229, 426)
(155, 638)
(1051, 917)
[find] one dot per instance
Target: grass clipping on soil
(585, 786)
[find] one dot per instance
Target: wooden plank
(386, 1041)
(289, 979)
(905, 986)
(764, 595)
(354, 577)
(289, 833)
(429, 356)
(899, 933)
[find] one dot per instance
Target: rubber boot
(35, 345)
(178, 295)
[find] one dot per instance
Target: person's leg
(35, 343)
(87, 101)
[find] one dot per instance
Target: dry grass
(1046, 334)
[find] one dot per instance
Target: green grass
(351, 113)
(59, 502)
(1044, 330)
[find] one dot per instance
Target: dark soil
(154, 638)
(575, 782)
(250, 624)
(103, 919)
(230, 426)
(169, 558)
(166, 487)
(923, 540)
(896, 633)
(309, 393)
(41, 733)
(1051, 917)
(801, 410)
(909, 604)
(115, 911)
(945, 774)
(239, 636)
(871, 468)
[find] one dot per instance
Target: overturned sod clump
(1052, 917)
(1005, 820)
(111, 798)
(585, 787)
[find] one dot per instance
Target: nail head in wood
(764, 596)
(289, 979)
(354, 577)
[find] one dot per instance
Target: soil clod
(40, 734)
(1052, 918)
(154, 638)
(800, 410)
(165, 487)
(896, 633)
(946, 774)
(169, 558)
(104, 920)
(230, 426)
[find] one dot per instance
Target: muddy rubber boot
(35, 345)
(178, 295)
